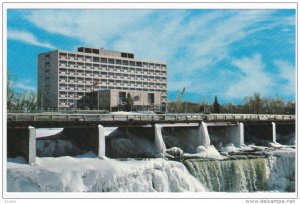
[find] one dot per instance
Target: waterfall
(282, 171)
(275, 172)
(204, 136)
(243, 175)
(160, 146)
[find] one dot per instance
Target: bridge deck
(63, 120)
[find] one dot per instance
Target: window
(103, 60)
(122, 97)
(88, 50)
(96, 59)
(111, 61)
(151, 98)
(130, 55)
(95, 51)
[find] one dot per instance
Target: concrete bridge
(186, 131)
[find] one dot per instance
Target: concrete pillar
(32, 145)
(22, 142)
(204, 138)
(101, 145)
(160, 146)
(274, 132)
(239, 134)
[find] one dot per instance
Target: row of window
(116, 79)
(112, 68)
(115, 75)
(112, 75)
(86, 88)
(72, 95)
(72, 57)
(90, 88)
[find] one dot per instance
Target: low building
(115, 100)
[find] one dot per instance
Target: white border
(190, 5)
(161, 5)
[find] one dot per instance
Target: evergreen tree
(216, 106)
(129, 102)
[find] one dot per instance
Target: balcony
(62, 56)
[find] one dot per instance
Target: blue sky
(228, 53)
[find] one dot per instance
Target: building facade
(114, 100)
(66, 77)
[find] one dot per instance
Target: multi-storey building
(65, 77)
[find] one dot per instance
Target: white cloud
(287, 73)
(253, 78)
(24, 85)
(28, 38)
(191, 44)
(92, 27)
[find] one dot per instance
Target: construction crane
(179, 98)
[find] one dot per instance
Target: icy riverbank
(269, 170)
(69, 174)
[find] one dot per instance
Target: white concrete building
(64, 77)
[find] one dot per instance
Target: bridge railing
(143, 117)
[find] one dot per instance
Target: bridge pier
(160, 146)
(273, 132)
(204, 138)
(90, 138)
(22, 142)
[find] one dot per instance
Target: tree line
(255, 104)
(26, 101)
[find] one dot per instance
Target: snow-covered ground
(87, 173)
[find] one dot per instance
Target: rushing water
(275, 172)
(241, 175)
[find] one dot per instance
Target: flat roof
(105, 56)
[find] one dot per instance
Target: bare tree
(21, 101)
